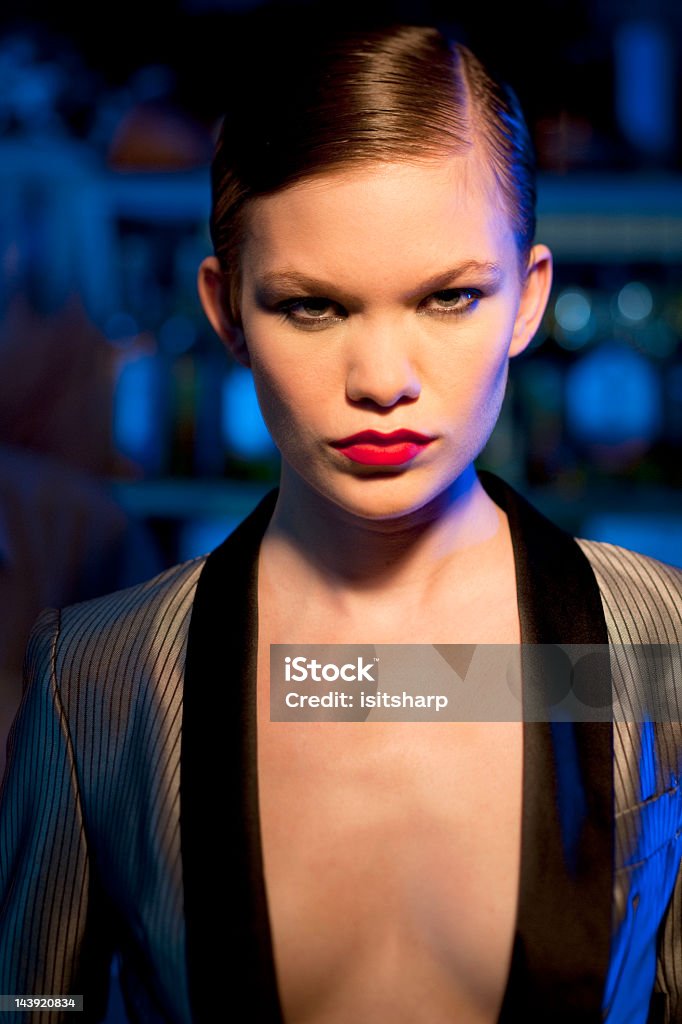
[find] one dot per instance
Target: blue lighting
(136, 426)
(635, 301)
(200, 536)
(177, 334)
(121, 328)
(243, 429)
(575, 324)
(573, 310)
(645, 84)
(613, 395)
(659, 536)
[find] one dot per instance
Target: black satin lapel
(563, 936)
(228, 942)
(559, 598)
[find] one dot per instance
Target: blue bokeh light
(177, 334)
(121, 328)
(243, 429)
(573, 309)
(635, 301)
(137, 403)
(613, 395)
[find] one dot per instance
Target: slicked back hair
(334, 101)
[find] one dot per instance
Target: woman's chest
(392, 857)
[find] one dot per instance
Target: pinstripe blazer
(136, 740)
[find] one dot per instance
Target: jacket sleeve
(666, 1003)
(51, 913)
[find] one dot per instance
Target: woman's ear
(213, 292)
(534, 298)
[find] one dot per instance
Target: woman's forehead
(466, 173)
(407, 212)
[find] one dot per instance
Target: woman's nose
(380, 368)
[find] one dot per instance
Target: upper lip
(376, 437)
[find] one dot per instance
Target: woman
(375, 266)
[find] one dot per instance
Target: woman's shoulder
(642, 597)
(123, 623)
(168, 589)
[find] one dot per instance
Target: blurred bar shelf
(611, 218)
(189, 498)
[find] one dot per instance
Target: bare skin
(391, 850)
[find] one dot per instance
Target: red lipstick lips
(372, 448)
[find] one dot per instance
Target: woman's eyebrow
(487, 273)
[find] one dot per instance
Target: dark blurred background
(107, 119)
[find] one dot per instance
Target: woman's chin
(384, 497)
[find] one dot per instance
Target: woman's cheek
(281, 406)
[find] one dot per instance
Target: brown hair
(327, 102)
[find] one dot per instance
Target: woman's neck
(320, 545)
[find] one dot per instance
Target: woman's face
(383, 299)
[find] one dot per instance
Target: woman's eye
(310, 312)
(453, 300)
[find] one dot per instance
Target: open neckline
(558, 602)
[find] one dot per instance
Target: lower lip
(383, 455)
